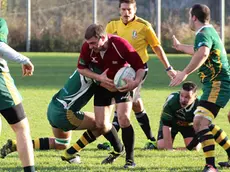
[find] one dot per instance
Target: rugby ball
(125, 72)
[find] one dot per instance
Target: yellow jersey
(139, 33)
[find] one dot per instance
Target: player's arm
(197, 60)
(9, 53)
(188, 49)
(152, 40)
(167, 137)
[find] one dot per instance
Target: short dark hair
(189, 86)
(127, 2)
(202, 12)
(94, 30)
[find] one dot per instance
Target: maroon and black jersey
(119, 54)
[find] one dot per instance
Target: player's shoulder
(173, 97)
(114, 21)
(143, 21)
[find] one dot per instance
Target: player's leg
(215, 96)
(87, 137)
(204, 114)
(221, 138)
(189, 134)
(103, 109)
(15, 116)
(140, 113)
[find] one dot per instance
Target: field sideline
(51, 72)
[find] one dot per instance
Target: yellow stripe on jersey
(214, 92)
(11, 88)
(139, 33)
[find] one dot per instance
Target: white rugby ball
(124, 72)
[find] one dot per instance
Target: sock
(115, 121)
(128, 140)
(193, 143)
(29, 169)
(221, 138)
(143, 121)
(41, 143)
(208, 144)
(112, 137)
(84, 140)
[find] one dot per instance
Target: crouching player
(177, 116)
(64, 115)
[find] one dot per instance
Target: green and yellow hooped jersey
(216, 67)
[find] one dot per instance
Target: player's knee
(61, 144)
(160, 144)
(202, 119)
(137, 106)
(124, 122)
(21, 126)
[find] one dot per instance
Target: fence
(59, 25)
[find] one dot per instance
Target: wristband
(169, 68)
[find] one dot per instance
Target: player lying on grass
(64, 115)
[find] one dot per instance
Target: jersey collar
(135, 18)
(209, 25)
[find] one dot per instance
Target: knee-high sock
(143, 121)
(114, 140)
(128, 140)
(220, 137)
(208, 144)
(41, 143)
(84, 140)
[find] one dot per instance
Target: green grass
(52, 70)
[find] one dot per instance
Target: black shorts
(103, 97)
(13, 114)
(186, 132)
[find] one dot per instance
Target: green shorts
(9, 95)
(217, 92)
(64, 119)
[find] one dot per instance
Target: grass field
(52, 70)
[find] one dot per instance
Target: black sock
(115, 121)
(114, 140)
(128, 140)
(143, 121)
(29, 169)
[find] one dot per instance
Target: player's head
(199, 13)
(127, 10)
(96, 37)
(188, 94)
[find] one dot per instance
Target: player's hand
(27, 69)
(179, 78)
(104, 79)
(130, 85)
(108, 87)
(176, 43)
(172, 73)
